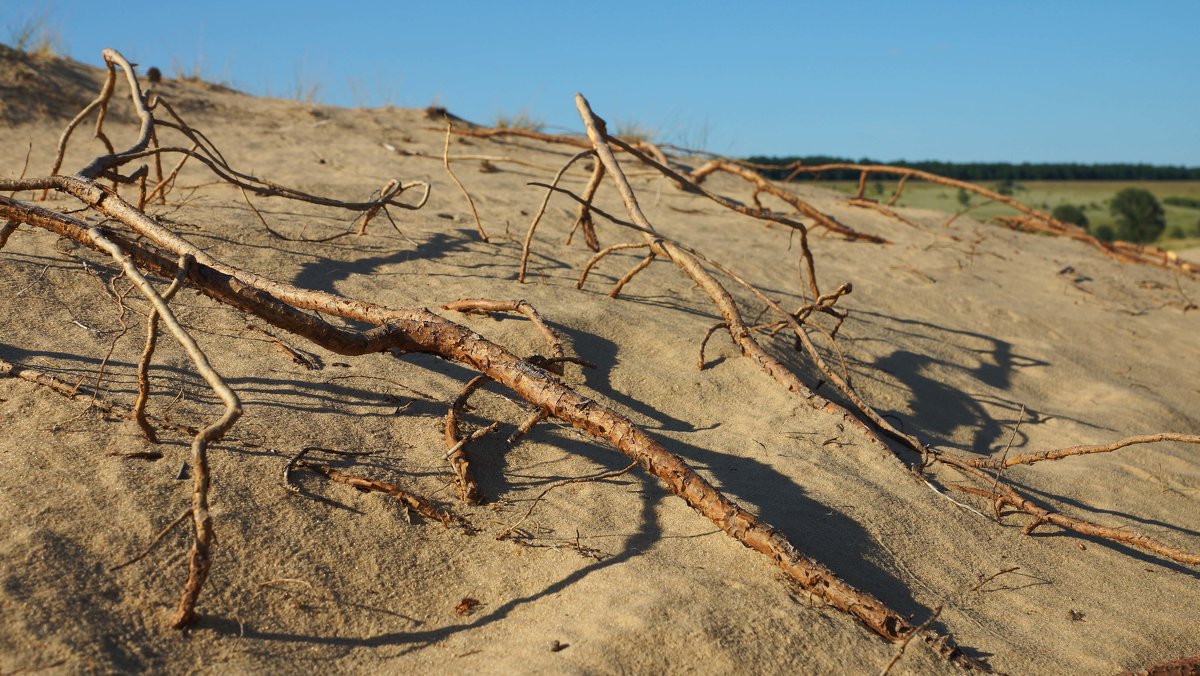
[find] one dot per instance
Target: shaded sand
(951, 330)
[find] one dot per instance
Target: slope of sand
(951, 330)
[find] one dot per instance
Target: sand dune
(957, 332)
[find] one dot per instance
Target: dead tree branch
(468, 488)
(542, 210)
(1030, 219)
(763, 185)
(419, 504)
(143, 372)
(1030, 458)
(470, 202)
(521, 307)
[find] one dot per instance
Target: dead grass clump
(522, 120)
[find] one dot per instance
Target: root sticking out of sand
(143, 246)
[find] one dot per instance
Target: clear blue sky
(1080, 81)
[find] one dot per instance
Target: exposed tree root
(561, 139)
(763, 185)
(421, 331)
(542, 210)
(604, 252)
(1031, 219)
(1001, 495)
(419, 504)
(468, 488)
(704, 342)
(907, 639)
(482, 159)
(527, 425)
(141, 245)
(1188, 666)
(583, 218)
(1030, 458)
(1125, 252)
(154, 542)
(689, 261)
(507, 532)
(200, 559)
(470, 202)
(899, 189)
(299, 310)
(628, 276)
(109, 408)
(6, 231)
(522, 307)
(876, 206)
(143, 372)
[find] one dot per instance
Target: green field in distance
(1092, 196)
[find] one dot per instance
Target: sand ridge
(952, 330)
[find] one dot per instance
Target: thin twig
(993, 576)
(908, 639)
(1007, 447)
(583, 274)
(143, 371)
(417, 503)
(641, 265)
(537, 217)
(157, 538)
(470, 202)
(1059, 454)
(566, 482)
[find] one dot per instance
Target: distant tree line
(977, 172)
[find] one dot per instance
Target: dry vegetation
(113, 191)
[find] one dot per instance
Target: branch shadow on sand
(647, 533)
(290, 393)
(818, 530)
(939, 412)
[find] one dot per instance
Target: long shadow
(498, 262)
(605, 353)
(648, 532)
(323, 274)
(306, 396)
(1084, 507)
(818, 530)
(939, 410)
(1003, 361)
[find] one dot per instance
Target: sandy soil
(951, 330)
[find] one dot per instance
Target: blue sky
(1094, 81)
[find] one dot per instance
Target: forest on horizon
(987, 171)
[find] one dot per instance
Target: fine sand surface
(951, 330)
